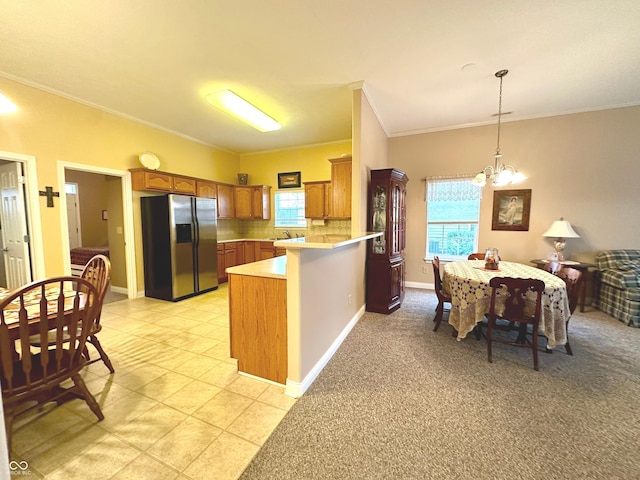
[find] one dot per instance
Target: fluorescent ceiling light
(232, 103)
(6, 105)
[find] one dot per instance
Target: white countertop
(269, 268)
(327, 241)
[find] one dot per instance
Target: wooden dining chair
(64, 306)
(442, 296)
(514, 312)
(97, 271)
(572, 279)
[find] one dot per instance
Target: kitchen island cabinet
(258, 318)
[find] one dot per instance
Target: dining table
(467, 282)
(32, 302)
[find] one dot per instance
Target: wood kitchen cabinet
(243, 202)
(253, 202)
(184, 185)
(330, 199)
(341, 187)
(222, 274)
(385, 254)
(226, 202)
(241, 253)
(249, 252)
(317, 202)
(266, 250)
(230, 254)
(258, 326)
(206, 189)
(154, 180)
(261, 202)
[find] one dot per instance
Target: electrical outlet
(425, 269)
(349, 299)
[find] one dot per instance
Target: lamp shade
(561, 229)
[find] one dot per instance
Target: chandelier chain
(499, 74)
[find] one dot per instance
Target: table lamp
(560, 229)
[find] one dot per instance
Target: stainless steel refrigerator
(179, 246)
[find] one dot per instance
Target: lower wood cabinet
(385, 285)
(234, 253)
(222, 275)
(266, 250)
(258, 326)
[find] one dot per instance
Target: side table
(583, 267)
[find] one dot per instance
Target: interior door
(73, 215)
(14, 226)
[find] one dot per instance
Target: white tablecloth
(468, 284)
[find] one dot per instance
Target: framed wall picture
(289, 180)
(511, 210)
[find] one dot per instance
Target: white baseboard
(296, 389)
(122, 290)
(424, 286)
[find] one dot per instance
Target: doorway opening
(22, 257)
(97, 205)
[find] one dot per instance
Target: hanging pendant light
(499, 174)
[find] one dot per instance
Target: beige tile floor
(176, 408)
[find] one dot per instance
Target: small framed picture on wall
(511, 209)
(289, 180)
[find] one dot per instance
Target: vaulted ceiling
(426, 64)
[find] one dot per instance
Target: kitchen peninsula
(288, 315)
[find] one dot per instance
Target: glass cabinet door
(379, 218)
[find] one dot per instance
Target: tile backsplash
(229, 229)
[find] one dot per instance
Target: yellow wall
(54, 129)
(263, 168)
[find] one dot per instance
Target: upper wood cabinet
(206, 189)
(145, 179)
(253, 202)
(317, 203)
(226, 202)
(261, 202)
(184, 185)
(243, 200)
(154, 180)
(234, 201)
(341, 187)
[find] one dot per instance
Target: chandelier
(498, 174)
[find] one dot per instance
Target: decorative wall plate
(149, 160)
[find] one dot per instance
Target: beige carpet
(400, 401)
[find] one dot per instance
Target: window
(453, 210)
(289, 208)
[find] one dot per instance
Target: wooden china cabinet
(385, 255)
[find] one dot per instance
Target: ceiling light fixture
(6, 105)
(231, 103)
(498, 174)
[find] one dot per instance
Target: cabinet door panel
(341, 187)
(184, 185)
(206, 189)
(242, 197)
(316, 200)
(225, 201)
(222, 275)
